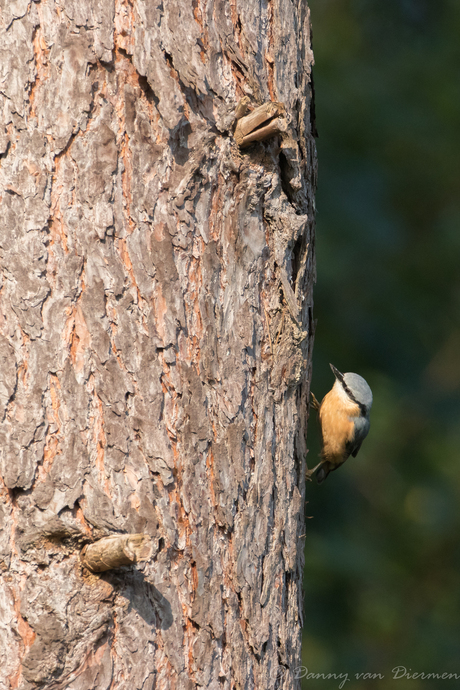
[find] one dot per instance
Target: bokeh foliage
(383, 548)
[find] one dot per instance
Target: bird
(344, 419)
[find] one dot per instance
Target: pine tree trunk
(155, 341)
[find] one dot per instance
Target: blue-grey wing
(362, 426)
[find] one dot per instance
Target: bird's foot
(314, 402)
(310, 473)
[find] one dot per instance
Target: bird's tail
(323, 471)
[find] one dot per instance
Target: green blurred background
(382, 550)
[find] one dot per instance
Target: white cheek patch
(338, 388)
(350, 406)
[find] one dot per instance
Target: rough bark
(155, 341)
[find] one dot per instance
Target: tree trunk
(155, 340)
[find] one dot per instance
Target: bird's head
(354, 387)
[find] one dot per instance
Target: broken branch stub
(277, 126)
(262, 123)
(115, 551)
(242, 108)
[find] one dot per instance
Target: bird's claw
(314, 402)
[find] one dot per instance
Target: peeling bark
(155, 341)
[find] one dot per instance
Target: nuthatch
(344, 419)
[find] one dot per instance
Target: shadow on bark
(142, 595)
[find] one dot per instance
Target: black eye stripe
(350, 395)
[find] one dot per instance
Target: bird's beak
(336, 373)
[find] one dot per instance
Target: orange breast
(336, 426)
